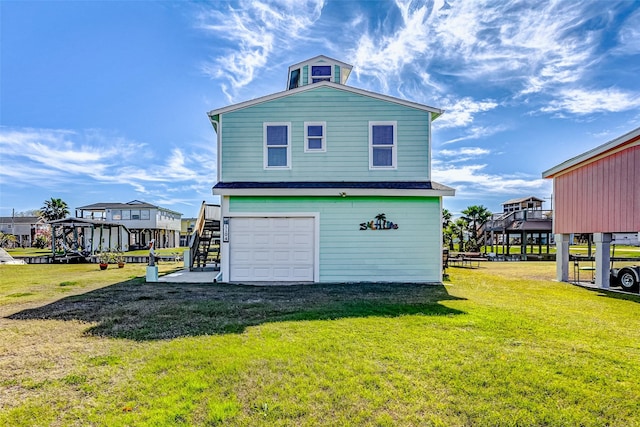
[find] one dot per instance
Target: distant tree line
(465, 228)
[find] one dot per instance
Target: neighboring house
(523, 224)
(328, 183)
(597, 192)
(187, 226)
(25, 228)
(523, 203)
(144, 222)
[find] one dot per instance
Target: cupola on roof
(318, 69)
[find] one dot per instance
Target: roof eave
(217, 112)
(632, 138)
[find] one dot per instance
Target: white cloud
(384, 55)
(472, 180)
(526, 48)
(629, 35)
(254, 30)
(477, 132)
(581, 101)
(465, 151)
(461, 112)
(49, 157)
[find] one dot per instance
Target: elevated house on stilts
(523, 225)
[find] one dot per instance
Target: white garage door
(271, 249)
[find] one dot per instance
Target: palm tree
(447, 237)
(475, 215)
(6, 239)
(446, 218)
(459, 227)
(54, 209)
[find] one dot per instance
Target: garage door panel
(303, 257)
(283, 273)
(261, 239)
(242, 256)
(302, 273)
(281, 239)
(301, 239)
(272, 249)
(261, 256)
(259, 223)
(281, 256)
(243, 238)
(282, 223)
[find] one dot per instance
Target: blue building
(324, 182)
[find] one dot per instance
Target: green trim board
(407, 251)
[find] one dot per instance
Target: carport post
(603, 259)
(562, 257)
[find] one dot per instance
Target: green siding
(409, 254)
(347, 157)
(336, 73)
(305, 75)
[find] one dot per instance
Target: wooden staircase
(205, 240)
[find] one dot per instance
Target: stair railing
(194, 242)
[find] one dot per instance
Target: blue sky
(106, 101)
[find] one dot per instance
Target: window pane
(314, 130)
(315, 143)
(382, 156)
(294, 80)
(320, 80)
(276, 135)
(144, 214)
(382, 134)
(277, 157)
(321, 70)
(116, 215)
(126, 214)
(135, 214)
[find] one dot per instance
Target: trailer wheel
(628, 280)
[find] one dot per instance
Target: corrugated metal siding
(347, 156)
(411, 253)
(600, 197)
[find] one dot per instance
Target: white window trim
(394, 147)
(265, 154)
(324, 137)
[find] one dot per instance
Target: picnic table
(466, 259)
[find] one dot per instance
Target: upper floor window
(315, 134)
(321, 73)
(277, 145)
(382, 145)
(294, 79)
(116, 215)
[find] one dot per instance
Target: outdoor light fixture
(343, 194)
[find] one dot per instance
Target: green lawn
(619, 251)
(499, 345)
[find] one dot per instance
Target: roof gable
(522, 199)
(214, 114)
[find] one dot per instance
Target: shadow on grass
(626, 296)
(140, 311)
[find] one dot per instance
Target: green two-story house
(324, 182)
